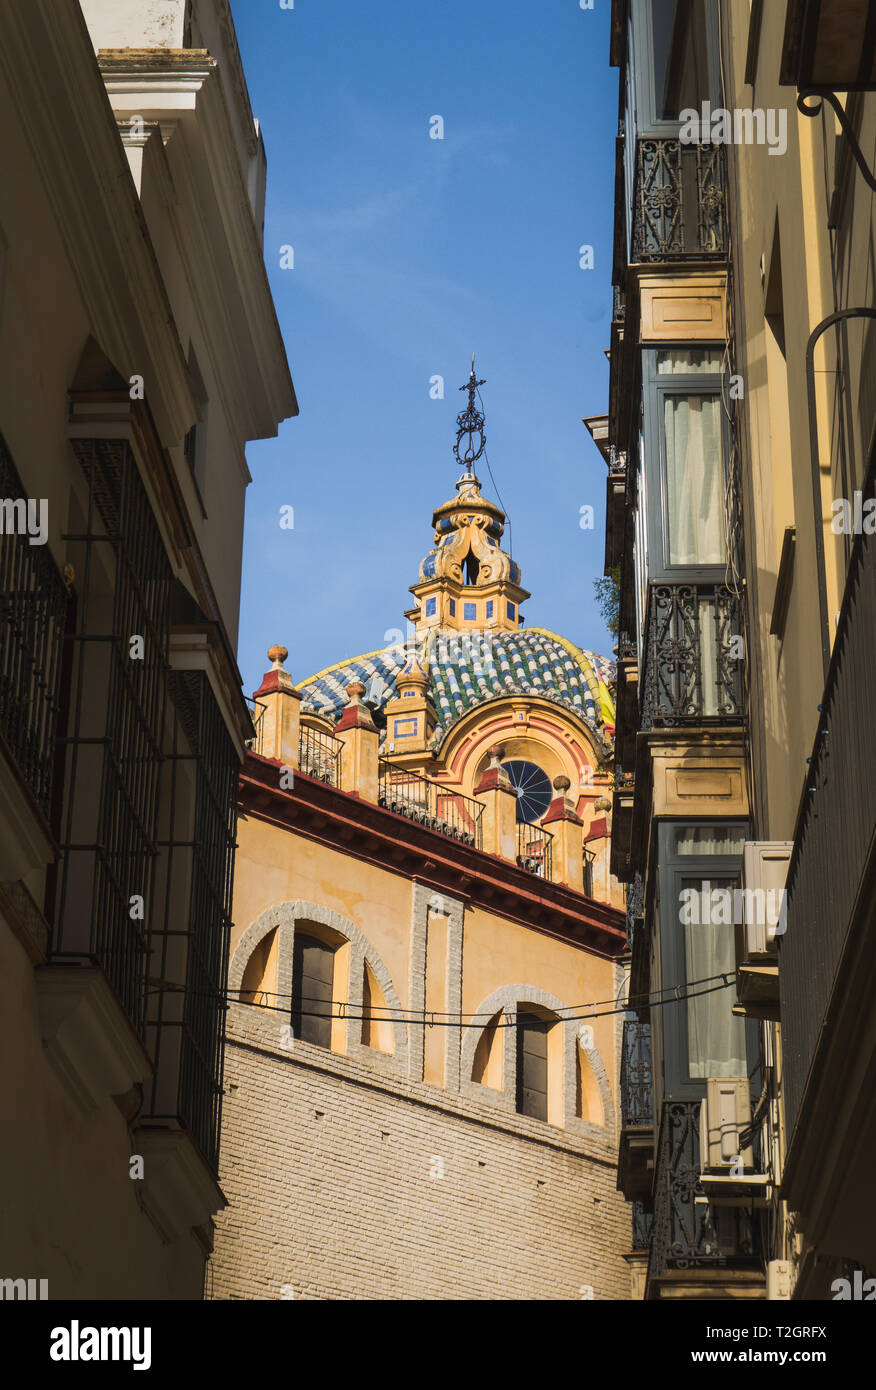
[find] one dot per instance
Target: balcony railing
(643, 1221)
(693, 656)
(319, 755)
(636, 1081)
(534, 849)
(428, 803)
(679, 202)
(33, 609)
(826, 882)
(688, 1231)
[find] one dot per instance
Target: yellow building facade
(422, 1043)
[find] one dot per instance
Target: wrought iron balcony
(643, 1221)
(319, 755)
(693, 662)
(690, 1233)
(635, 905)
(636, 1154)
(825, 954)
(534, 849)
(438, 808)
(33, 610)
(636, 1083)
(679, 202)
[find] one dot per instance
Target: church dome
(467, 669)
(467, 644)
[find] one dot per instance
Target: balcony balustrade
(636, 1082)
(689, 1232)
(679, 202)
(438, 808)
(693, 661)
(832, 859)
(33, 610)
(635, 1158)
(319, 755)
(534, 850)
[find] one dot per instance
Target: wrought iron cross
(470, 422)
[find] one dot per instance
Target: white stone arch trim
(510, 999)
(283, 917)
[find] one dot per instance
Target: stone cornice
(45, 48)
(363, 830)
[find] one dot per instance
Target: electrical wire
(495, 488)
(438, 1019)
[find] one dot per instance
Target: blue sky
(411, 253)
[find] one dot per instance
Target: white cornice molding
(45, 48)
(190, 101)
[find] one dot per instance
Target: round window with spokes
(532, 788)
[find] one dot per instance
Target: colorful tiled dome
(466, 669)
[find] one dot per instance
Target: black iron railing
(635, 905)
(689, 1232)
(834, 832)
(693, 656)
(192, 927)
(33, 611)
(679, 202)
(118, 701)
(428, 803)
(534, 846)
(319, 755)
(636, 1081)
(643, 1222)
(257, 713)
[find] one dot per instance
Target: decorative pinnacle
(470, 424)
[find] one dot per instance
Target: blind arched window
(532, 1066)
(313, 969)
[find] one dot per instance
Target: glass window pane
(681, 61)
(685, 361)
(708, 839)
(694, 479)
(715, 1035)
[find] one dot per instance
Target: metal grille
(114, 744)
(636, 1082)
(534, 850)
(319, 755)
(33, 610)
(642, 1223)
(189, 952)
(679, 201)
(691, 670)
(419, 799)
(688, 1231)
(833, 838)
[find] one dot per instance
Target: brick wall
(334, 1180)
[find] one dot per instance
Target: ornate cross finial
(470, 424)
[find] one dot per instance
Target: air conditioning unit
(726, 1110)
(778, 1280)
(726, 1166)
(760, 918)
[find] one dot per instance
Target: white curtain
(716, 1037)
(709, 839)
(687, 361)
(695, 484)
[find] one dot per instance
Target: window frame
(655, 388)
(640, 57)
(672, 1023)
